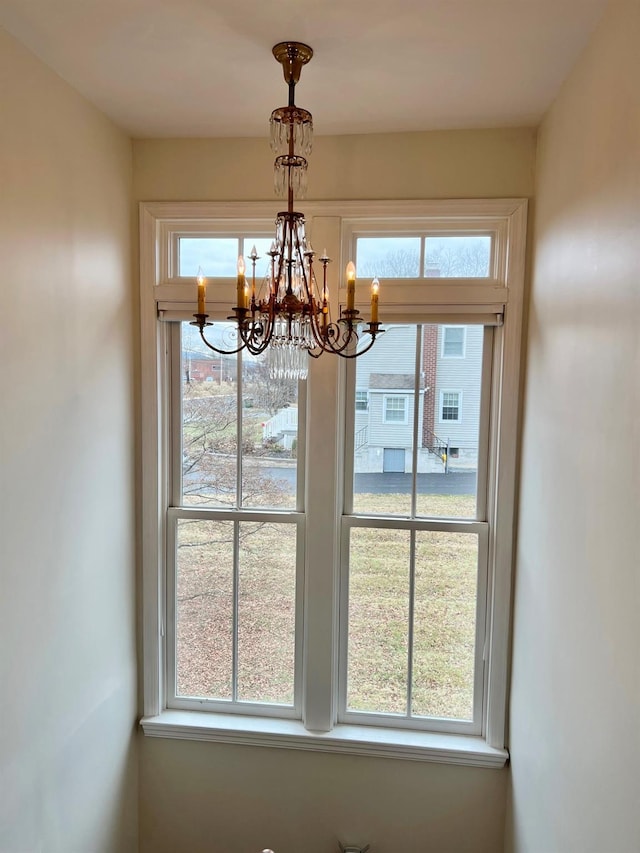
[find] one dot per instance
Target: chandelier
(288, 314)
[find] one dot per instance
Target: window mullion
(416, 420)
(170, 634)
(239, 429)
(485, 424)
(235, 605)
(321, 547)
(412, 598)
(236, 532)
(175, 414)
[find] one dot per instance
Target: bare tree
(269, 394)
(447, 258)
(467, 260)
(209, 453)
(397, 263)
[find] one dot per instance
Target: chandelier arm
(341, 351)
(211, 346)
(316, 329)
(269, 321)
(309, 282)
(336, 334)
(300, 255)
(257, 349)
(361, 351)
(257, 343)
(254, 340)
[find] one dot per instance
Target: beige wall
(575, 713)
(204, 797)
(67, 641)
(219, 798)
(444, 164)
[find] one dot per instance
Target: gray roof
(397, 381)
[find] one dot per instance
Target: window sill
(353, 740)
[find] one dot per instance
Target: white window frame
(456, 301)
(175, 514)
(443, 354)
(442, 419)
(405, 411)
(413, 525)
(364, 398)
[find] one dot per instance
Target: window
(453, 341)
(232, 567)
(411, 633)
(395, 409)
(450, 404)
(277, 511)
(362, 401)
(424, 255)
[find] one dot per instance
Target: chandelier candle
(241, 282)
(288, 316)
(351, 286)
(202, 292)
(375, 287)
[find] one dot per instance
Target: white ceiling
(205, 68)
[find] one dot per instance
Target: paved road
(454, 483)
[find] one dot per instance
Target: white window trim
(442, 420)
(396, 396)
(482, 300)
(364, 400)
(464, 342)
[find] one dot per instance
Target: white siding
(462, 375)
(383, 434)
(393, 352)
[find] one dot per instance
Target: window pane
(269, 436)
(444, 624)
(218, 256)
(209, 419)
(362, 401)
(388, 257)
(446, 481)
(448, 417)
(204, 609)
(453, 338)
(458, 257)
(395, 409)
(378, 621)
(383, 438)
(450, 406)
(266, 613)
(210, 444)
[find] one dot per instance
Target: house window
(453, 341)
(395, 409)
(362, 401)
(450, 406)
(271, 517)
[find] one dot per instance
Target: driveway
(453, 483)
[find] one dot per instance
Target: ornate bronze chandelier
(289, 313)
